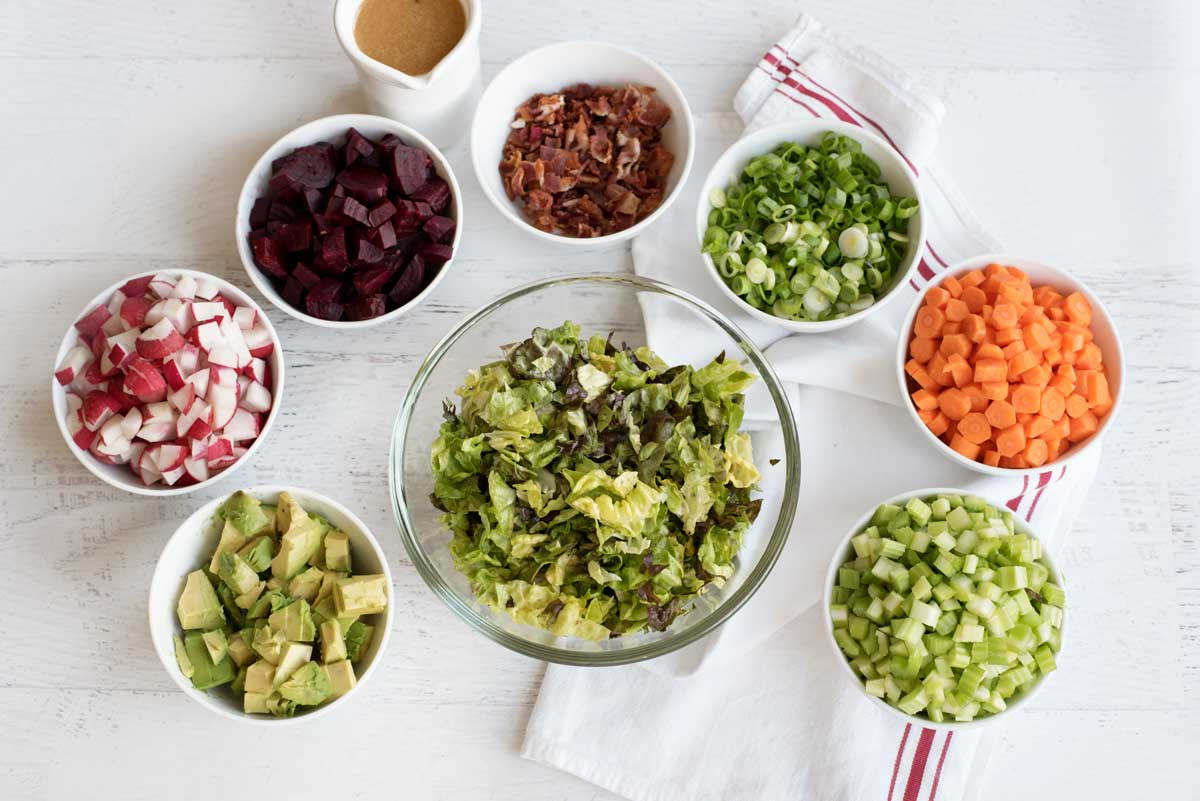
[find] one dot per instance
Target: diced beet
(407, 245)
(258, 214)
(439, 228)
(380, 213)
(389, 141)
(334, 255)
(365, 251)
(293, 293)
(313, 200)
(367, 184)
(373, 279)
(435, 192)
(281, 212)
(267, 257)
(357, 146)
(282, 187)
(339, 190)
(408, 216)
(383, 235)
(353, 210)
(409, 284)
(298, 236)
(325, 310)
(424, 211)
(328, 290)
(305, 275)
(323, 224)
(311, 166)
(409, 167)
(435, 254)
(366, 308)
(90, 323)
(257, 233)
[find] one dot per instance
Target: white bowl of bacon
(167, 382)
(582, 143)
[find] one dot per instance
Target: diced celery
(858, 627)
(884, 513)
(1053, 594)
(883, 568)
(877, 687)
(1052, 615)
(945, 541)
(914, 702)
(891, 549)
(940, 507)
(974, 503)
(892, 602)
(920, 541)
(849, 647)
(968, 633)
(848, 578)
(943, 592)
(959, 519)
(1015, 577)
(970, 563)
(947, 623)
(899, 580)
(1045, 659)
(918, 511)
(841, 595)
(925, 613)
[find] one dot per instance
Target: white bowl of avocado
(271, 605)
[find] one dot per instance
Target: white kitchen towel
(759, 709)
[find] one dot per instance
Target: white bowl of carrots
(1009, 365)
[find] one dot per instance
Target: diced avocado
(358, 640)
(327, 610)
(268, 643)
(308, 685)
(297, 544)
(181, 657)
(246, 513)
(207, 673)
(361, 595)
(267, 603)
(274, 584)
(229, 601)
(248, 599)
(239, 681)
(341, 677)
(327, 582)
(258, 552)
(236, 574)
(333, 642)
(291, 657)
(286, 509)
(295, 621)
(269, 510)
(279, 706)
(216, 643)
(307, 584)
(337, 550)
(260, 677)
(232, 538)
(255, 703)
(239, 650)
(199, 607)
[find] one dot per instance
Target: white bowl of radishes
(167, 381)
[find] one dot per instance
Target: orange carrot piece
(1056, 314)
(956, 310)
(1019, 274)
(954, 403)
(1089, 356)
(1063, 384)
(995, 390)
(1011, 441)
(939, 425)
(1083, 427)
(971, 279)
(1004, 315)
(1038, 376)
(1036, 452)
(924, 399)
(965, 447)
(951, 285)
(1095, 389)
(1052, 357)
(1006, 336)
(959, 370)
(951, 328)
(991, 458)
(979, 401)
(1054, 404)
(1026, 399)
(1013, 348)
(937, 370)
(1078, 310)
(975, 428)
(1072, 338)
(955, 343)
(1001, 414)
(1022, 362)
(995, 269)
(937, 297)
(1038, 425)
(918, 373)
(974, 297)
(1077, 405)
(1035, 337)
(990, 370)
(975, 328)
(922, 348)
(929, 321)
(1046, 296)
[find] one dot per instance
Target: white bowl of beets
(349, 221)
(167, 381)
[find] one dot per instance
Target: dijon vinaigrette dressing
(411, 36)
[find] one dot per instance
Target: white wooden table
(126, 129)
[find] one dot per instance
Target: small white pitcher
(439, 103)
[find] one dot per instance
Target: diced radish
(113, 325)
(111, 430)
(199, 380)
(179, 312)
(144, 380)
(223, 355)
(135, 457)
(223, 401)
(244, 316)
(162, 284)
(74, 403)
(194, 423)
(199, 447)
(118, 447)
(206, 288)
(169, 456)
(208, 334)
(133, 311)
(97, 408)
(91, 322)
(243, 426)
(258, 340)
(147, 466)
(73, 364)
(220, 453)
(257, 370)
(159, 340)
(209, 310)
(131, 423)
(157, 432)
(120, 349)
(184, 288)
(161, 412)
(183, 397)
(223, 375)
(196, 468)
(80, 434)
(229, 304)
(256, 398)
(235, 339)
(169, 478)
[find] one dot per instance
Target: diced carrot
(975, 328)
(1046, 296)
(1035, 337)
(1063, 384)
(1052, 357)
(996, 269)
(988, 350)
(1033, 314)
(922, 348)
(939, 425)
(1012, 293)
(1022, 362)
(1001, 414)
(937, 297)
(956, 310)
(1004, 315)
(991, 458)
(1078, 310)
(974, 297)
(918, 373)
(979, 401)
(955, 343)
(1038, 376)
(971, 279)
(986, 313)
(959, 369)
(937, 370)
(1011, 440)
(1036, 452)
(924, 399)
(1077, 405)
(1089, 356)
(951, 285)
(1069, 356)
(1016, 462)
(1053, 440)
(1062, 427)
(1019, 274)
(1095, 388)
(1038, 425)
(951, 328)
(990, 370)
(927, 415)
(1083, 427)
(965, 447)
(929, 321)
(1072, 338)
(975, 428)
(1013, 348)
(1006, 336)
(1056, 314)
(995, 390)
(1067, 371)
(1054, 404)
(954, 403)
(1026, 399)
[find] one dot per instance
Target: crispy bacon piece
(588, 161)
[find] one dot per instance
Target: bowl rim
(468, 611)
(132, 484)
(1098, 312)
(844, 547)
(208, 510)
(505, 207)
(808, 127)
(318, 128)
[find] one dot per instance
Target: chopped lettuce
(594, 491)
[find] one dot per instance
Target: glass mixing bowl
(695, 334)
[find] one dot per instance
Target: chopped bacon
(588, 161)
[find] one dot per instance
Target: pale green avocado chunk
(291, 657)
(358, 640)
(299, 540)
(333, 642)
(240, 651)
(268, 643)
(258, 552)
(199, 607)
(216, 643)
(308, 685)
(306, 585)
(337, 551)
(232, 539)
(361, 595)
(246, 512)
(206, 673)
(249, 599)
(267, 603)
(260, 677)
(295, 621)
(185, 663)
(341, 677)
(236, 574)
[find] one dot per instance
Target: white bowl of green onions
(810, 225)
(944, 608)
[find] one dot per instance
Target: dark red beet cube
(357, 147)
(313, 200)
(293, 293)
(380, 213)
(439, 228)
(305, 275)
(373, 279)
(311, 166)
(435, 192)
(325, 310)
(283, 188)
(258, 214)
(408, 217)
(366, 308)
(347, 209)
(365, 251)
(281, 212)
(406, 246)
(435, 254)
(267, 257)
(327, 290)
(409, 283)
(383, 235)
(409, 168)
(296, 236)
(367, 184)
(333, 250)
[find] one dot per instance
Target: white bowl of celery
(944, 608)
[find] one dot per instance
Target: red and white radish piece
(73, 364)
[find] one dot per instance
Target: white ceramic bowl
(895, 173)
(191, 546)
(557, 66)
(845, 553)
(333, 129)
(1103, 331)
(120, 476)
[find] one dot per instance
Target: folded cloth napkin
(759, 709)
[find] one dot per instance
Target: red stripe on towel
(940, 260)
(937, 774)
(924, 270)
(899, 754)
(1042, 488)
(786, 78)
(1013, 503)
(916, 773)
